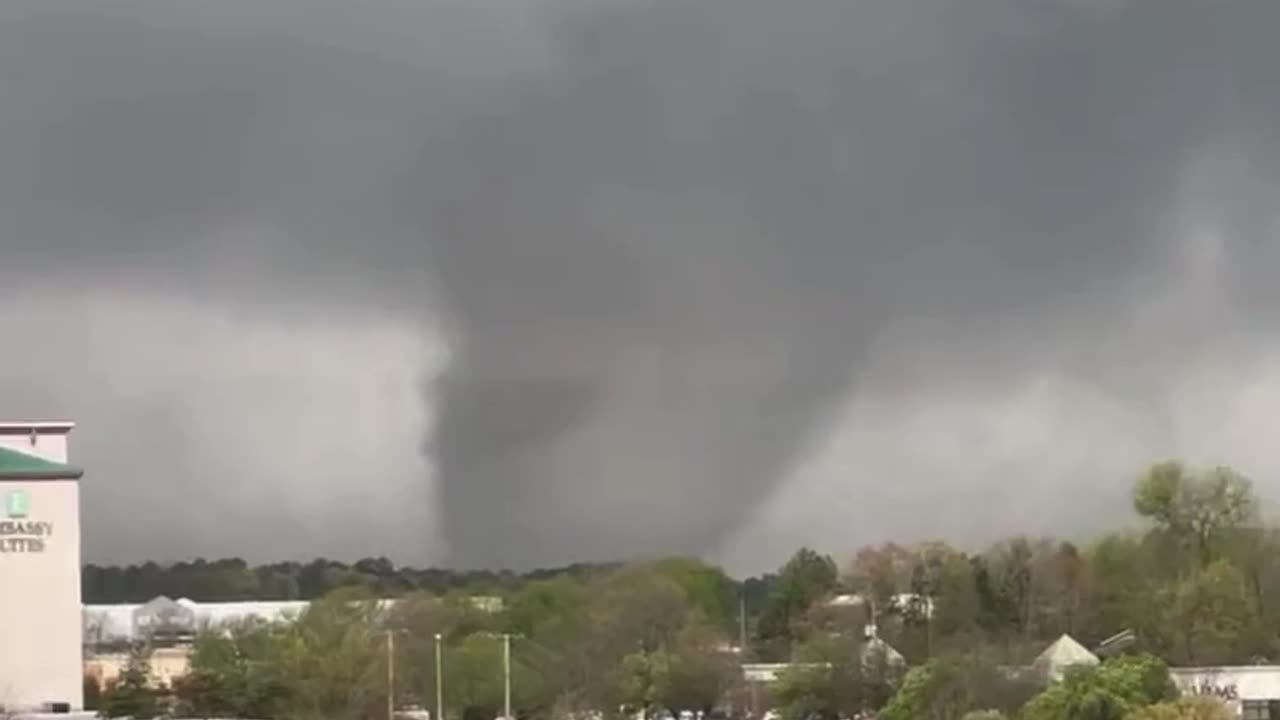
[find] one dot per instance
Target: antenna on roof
(1116, 643)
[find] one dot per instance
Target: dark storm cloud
(670, 245)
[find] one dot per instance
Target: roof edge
(68, 472)
(36, 427)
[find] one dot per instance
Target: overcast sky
(518, 282)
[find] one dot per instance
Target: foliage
(131, 695)
(1213, 617)
(807, 577)
(1196, 508)
(232, 579)
(952, 687)
(1200, 585)
(711, 592)
(1196, 708)
(807, 691)
(1106, 692)
(833, 677)
(333, 660)
(92, 692)
(233, 673)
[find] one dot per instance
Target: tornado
(524, 284)
(669, 253)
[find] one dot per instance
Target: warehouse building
(40, 618)
(1251, 692)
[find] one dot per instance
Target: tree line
(1199, 584)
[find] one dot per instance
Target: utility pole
(439, 680)
(391, 676)
(742, 651)
(506, 675)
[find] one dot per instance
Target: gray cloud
(707, 277)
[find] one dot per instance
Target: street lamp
(391, 675)
(506, 671)
(439, 680)
(506, 676)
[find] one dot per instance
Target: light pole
(439, 680)
(391, 675)
(506, 675)
(506, 670)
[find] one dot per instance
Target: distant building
(765, 673)
(1064, 654)
(165, 663)
(110, 632)
(897, 603)
(1251, 692)
(40, 644)
(164, 621)
(167, 622)
(876, 656)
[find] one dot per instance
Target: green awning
(16, 465)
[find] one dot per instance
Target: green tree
(700, 673)
(1122, 586)
(636, 609)
(332, 660)
(646, 680)
(234, 673)
(805, 579)
(956, 606)
(1213, 618)
(1106, 692)
(547, 608)
(474, 676)
(932, 691)
(948, 688)
(415, 620)
(880, 573)
(1197, 708)
(834, 676)
(708, 588)
(690, 675)
(807, 691)
(1196, 509)
(132, 694)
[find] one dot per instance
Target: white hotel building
(41, 667)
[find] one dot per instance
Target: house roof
(1063, 653)
(16, 465)
(877, 650)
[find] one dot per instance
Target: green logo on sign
(17, 504)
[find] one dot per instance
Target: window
(1260, 710)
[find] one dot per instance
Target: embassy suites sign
(18, 532)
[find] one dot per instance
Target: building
(41, 665)
(168, 628)
(1065, 653)
(166, 664)
(167, 622)
(1252, 692)
(877, 656)
(162, 621)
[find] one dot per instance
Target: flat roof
(37, 427)
(16, 465)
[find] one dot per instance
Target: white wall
(40, 617)
(50, 439)
(1231, 684)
